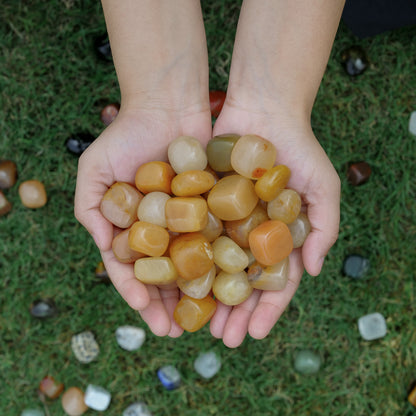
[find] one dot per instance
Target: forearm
(281, 51)
(159, 51)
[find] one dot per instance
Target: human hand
(134, 138)
(315, 179)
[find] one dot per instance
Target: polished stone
(119, 204)
(198, 288)
(155, 270)
(192, 314)
(219, 150)
(101, 274)
(300, 229)
(273, 277)
(186, 214)
(216, 102)
(155, 176)
(192, 255)
(285, 207)
(412, 395)
(307, 362)
(8, 174)
(109, 113)
(186, 153)
(232, 198)
(232, 288)
(358, 173)
(33, 194)
(137, 409)
(102, 48)
(412, 123)
(192, 182)
(78, 143)
(129, 337)
(147, 238)
(356, 266)
(97, 397)
(207, 364)
(272, 182)
(228, 255)
(73, 402)
(50, 387)
(122, 250)
(85, 347)
(354, 60)
(32, 412)
(252, 156)
(5, 204)
(43, 308)
(372, 326)
(152, 208)
(271, 242)
(169, 376)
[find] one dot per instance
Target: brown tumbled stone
(358, 173)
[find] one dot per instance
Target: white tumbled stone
(137, 409)
(97, 398)
(186, 153)
(130, 337)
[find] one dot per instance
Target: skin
(159, 51)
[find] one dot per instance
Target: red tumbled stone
(358, 173)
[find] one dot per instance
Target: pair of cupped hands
(141, 134)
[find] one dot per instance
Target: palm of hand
(314, 178)
(128, 142)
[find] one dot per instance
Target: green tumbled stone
(219, 152)
(32, 412)
(307, 362)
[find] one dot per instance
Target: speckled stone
(85, 347)
(307, 362)
(129, 337)
(137, 409)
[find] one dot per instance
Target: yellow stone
(186, 214)
(155, 270)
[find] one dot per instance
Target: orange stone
(271, 242)
(192, 182)
(154, 176)
(192, 255)
(50, 387)
(186, 214)
(412, 396)
(239, 230)
(32, 194)
(119, 204)
(285, 207)
(272, 182)
(122, 250)
(147, 238)
(155, 270)
(192, 314)
(232, 198)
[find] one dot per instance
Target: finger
(237, 324)
(218, 321)
(324, 216)
(272, 304)
(122, 276)
(155, 315)
(170, 298)
(88, 195)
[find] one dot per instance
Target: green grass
(53, 85)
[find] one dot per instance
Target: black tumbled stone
(77, 143)
(355, 266)
(354, 60)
